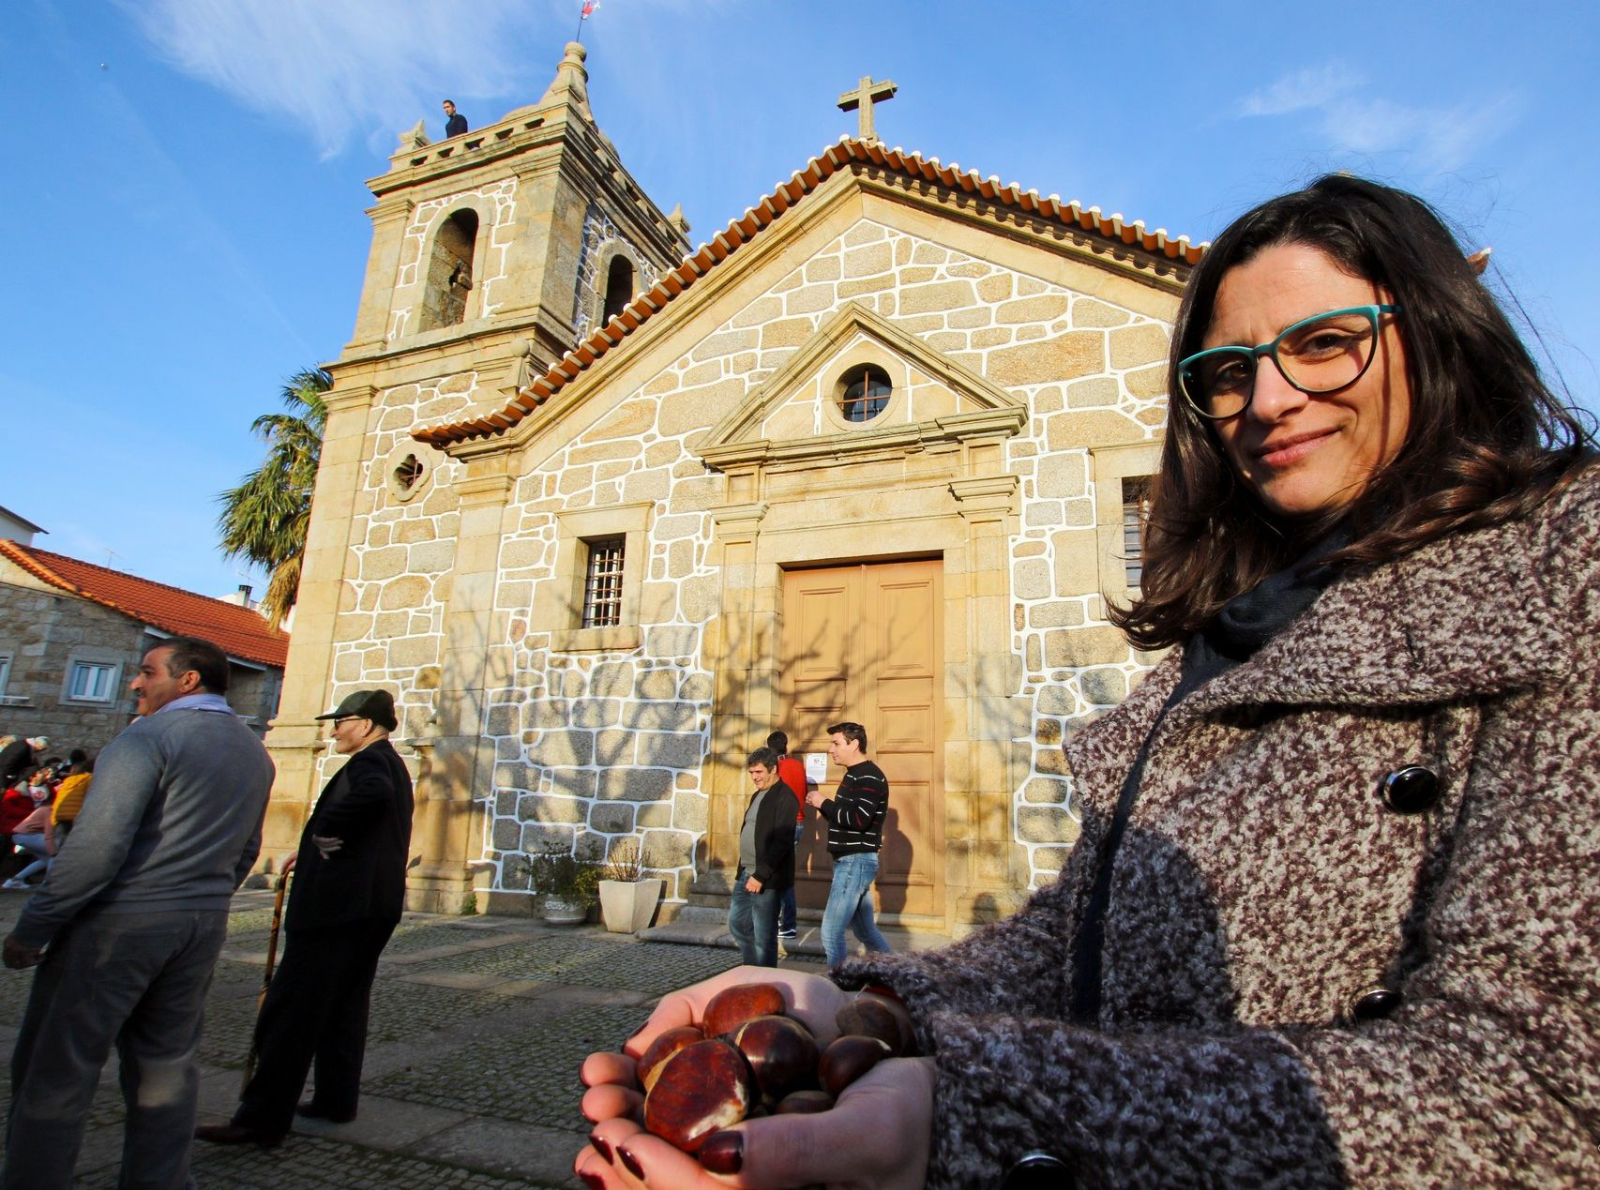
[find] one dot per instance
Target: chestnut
(847, 1059)
(872, 1018)
(732, 1007)
(701, 1089)
(782, 1054)
(803, 1103)
(662, 1048)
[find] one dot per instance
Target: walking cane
(266, 978)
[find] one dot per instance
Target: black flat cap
(376, 705)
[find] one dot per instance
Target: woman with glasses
(1334, 917)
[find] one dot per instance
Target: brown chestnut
(781, 1052)
(847, 1059)
(803, 1103)
(872, 1018)
(664, 1047)
(732, 1007)
(699, 1090)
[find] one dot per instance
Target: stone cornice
(951, 429)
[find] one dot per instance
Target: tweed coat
(1264, 886)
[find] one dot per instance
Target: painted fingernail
(592, 1180)
(600, 1146)
(630, 1162)
(723, 1152)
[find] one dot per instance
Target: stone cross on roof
(863, 97)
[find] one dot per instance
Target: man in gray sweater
(126, 929)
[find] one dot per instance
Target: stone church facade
(872, 452)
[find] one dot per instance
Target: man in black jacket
(766, 862)
(348, 893)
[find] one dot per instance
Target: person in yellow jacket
(69, 797)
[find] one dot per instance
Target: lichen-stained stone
(1143, 343)
(1046, 791)
(690, 811)
(614, 746)
(667, 849)
(1031, 579)
(1044, 308)
(672, 642)
(1064, 357)
(1090, 312)
(1078, 647)
(590, 712)
(562, 748)
(383, 563)
(431, 557)
(657, 685)
(1069, 431)
(612, 679)
(1062, 475)
(670, 750)
(937, 296)
(636, 785)
(611, 818)
(1103, 687)
(573, 783)
(1147, 382)
(1043, 824)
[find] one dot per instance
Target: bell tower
(524, 229)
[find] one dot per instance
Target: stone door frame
(965, 521)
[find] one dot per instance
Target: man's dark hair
(77, 756)
(779, 743)
(190, 652)
(765, 757)
(851, 731)
(451, 102)
(1488, 440)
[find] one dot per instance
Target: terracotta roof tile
(235, 630)
(816, 171)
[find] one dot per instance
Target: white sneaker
(14, 884)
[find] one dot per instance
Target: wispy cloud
(1312, 87)
(356, 68)
(1442, 137)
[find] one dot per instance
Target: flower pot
(562, 911)
(628, 906)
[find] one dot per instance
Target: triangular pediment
(795, 411)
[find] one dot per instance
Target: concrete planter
(563, 911)
(628, 906)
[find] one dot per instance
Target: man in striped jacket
(855, 833)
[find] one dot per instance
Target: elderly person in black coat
(346, 899)
(1334, 917)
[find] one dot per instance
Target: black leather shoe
(312, 1110)
(238, 1134)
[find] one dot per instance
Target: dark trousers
(315, 1013)
(134, 980)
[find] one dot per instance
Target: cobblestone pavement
(478, 1027)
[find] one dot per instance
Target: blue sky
(184, 180)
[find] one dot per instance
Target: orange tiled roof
(747, 226)
(235, 630)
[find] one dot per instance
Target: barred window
(1135, 510)
(602, 584)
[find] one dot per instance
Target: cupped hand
(877, 1137)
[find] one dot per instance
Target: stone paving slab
(478, 1028)
(528, 1076)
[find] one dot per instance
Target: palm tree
(264, 519)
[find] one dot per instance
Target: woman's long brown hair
(1487, 442)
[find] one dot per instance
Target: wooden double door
(863, 643)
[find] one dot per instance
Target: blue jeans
(791, 908)
(753, 922)
(138, 980)
(850, 904)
